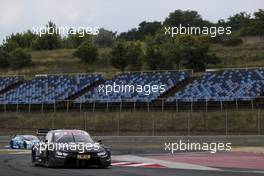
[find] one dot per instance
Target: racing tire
(103, 166)
(12, 145)
(25, 145)
(33, 158)
(48, 162)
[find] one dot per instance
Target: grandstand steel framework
(133, 105)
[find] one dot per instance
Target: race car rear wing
(43, 132)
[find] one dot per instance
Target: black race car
(70, 148)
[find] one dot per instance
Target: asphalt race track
(19, 165)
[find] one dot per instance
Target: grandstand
(79, 90)
(226, 85)
(169, 79)
(9, 81)
(221, 102)
(48, 89)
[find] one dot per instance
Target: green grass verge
(138, 123)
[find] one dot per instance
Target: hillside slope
(245, 55)
(62, 60)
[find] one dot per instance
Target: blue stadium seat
(48, 89)
(7, 81)
(169, 79)
(227, 85)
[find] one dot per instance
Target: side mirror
(99, 141)
(46, 141)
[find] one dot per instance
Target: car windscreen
(30, 138)
(72, 136)
(60, 138)
(83, 138)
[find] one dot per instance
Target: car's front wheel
(33, 158)
(48, 161)
(103, 166)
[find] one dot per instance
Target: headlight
(61, 153)
(101, 153)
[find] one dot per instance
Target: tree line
(144, 47)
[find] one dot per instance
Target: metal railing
(155, 118)
(160, 104)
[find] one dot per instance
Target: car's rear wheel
(25, 145)
(12, 145)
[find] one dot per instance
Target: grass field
(249, 149)
(138, 123)
(245, 55)
(62, 60)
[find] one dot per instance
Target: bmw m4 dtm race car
(70, 148)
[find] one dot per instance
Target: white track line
(139, 164)
(132, 164)
(168, 164)
(120, 163)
